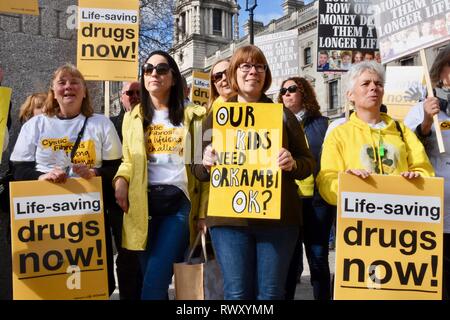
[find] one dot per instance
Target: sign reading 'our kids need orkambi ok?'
(246, 182)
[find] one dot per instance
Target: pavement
(303, 291)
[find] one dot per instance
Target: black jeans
(128, 268)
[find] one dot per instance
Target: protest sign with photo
(58, 240)
(389, 238)
(404, 87)
(5, 98)
(246, 182)
(20, 6)
(108, 33)
(200, 88)
(346, 34)
(404, 27)
(281, 51)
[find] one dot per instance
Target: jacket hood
(365, 127)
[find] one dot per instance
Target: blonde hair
(51, 105)
(213, 93)
(32, 102)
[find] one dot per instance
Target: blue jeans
(168, 239)
(318, 218)
(254, 260)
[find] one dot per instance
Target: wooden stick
(437, 126)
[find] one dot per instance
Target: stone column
(210, 21)
(236, 26)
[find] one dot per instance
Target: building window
(333, 95)
(407, 61)
(217, 22)
(308, 56)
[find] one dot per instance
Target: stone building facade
(197, 46)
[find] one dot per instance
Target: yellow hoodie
(355, 145)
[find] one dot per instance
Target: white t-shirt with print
(49, 141)
(164, 145)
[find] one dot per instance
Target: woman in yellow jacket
(219, 90)
(371, 142)
(151, 185)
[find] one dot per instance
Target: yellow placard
(58, 240)
(404, 88)
(246, 182)
(200, 88)
(108, 34)
(20, 6)
(5, 98)
(389, 238)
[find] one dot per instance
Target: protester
(155, 221)
(129, 97)
(219, 90)
(129, 275)
(67, 110)
(218, 76)
(32, 106)
(420, 119)
(298, 96)
(371, 141)
(254, 254)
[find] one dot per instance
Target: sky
(265, 11)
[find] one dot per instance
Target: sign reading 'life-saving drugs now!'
(108, 35)
(389, 238)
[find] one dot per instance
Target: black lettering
(358, 233)
(347, 265)
(404, 276)
(412, 244)
(428, 237)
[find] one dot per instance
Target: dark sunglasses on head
(219, 75)
(161, 68)
(131, 92)
(291, 89)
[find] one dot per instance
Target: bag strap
(399, 129)
(201, 236)
(77, 142)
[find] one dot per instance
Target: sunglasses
(131, 92)
(291, 89)
(219, 75)
(161, 69)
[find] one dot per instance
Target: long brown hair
(309, 99)
(52, 107)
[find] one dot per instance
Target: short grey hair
(359, 68)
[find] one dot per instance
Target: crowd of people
(161, 194)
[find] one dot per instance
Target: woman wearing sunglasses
(253, 254)
(219, 90)
(298, 95)
(151, 183)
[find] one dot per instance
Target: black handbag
(164, 200)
